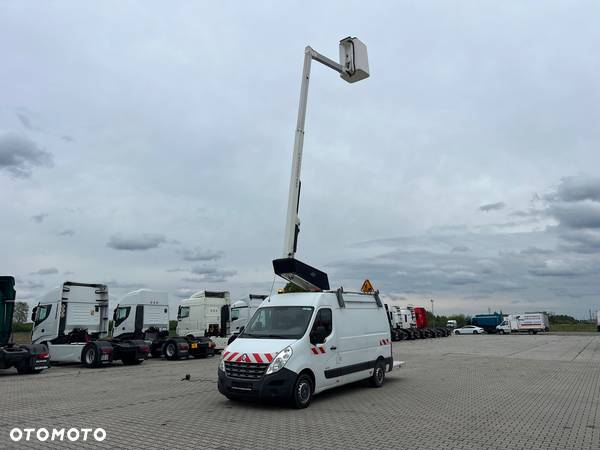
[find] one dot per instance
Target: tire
(89, 356)
(457, 332)
(530, 332)
(378, 377)
(475, 332)
(501, 332)
(171, 351)
(303, 391)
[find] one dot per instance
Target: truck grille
(247, 371)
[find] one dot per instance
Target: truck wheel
(530, 332)
(303, 391)
(501, 332)
(89, 356)
(171, 350)
(378, 377)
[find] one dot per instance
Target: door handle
(333, 347)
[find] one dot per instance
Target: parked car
(469, 329)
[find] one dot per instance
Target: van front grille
(246, 371)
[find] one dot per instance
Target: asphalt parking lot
(460, 392)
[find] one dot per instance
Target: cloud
(185, 292)
(114, 284)
(46, 271)
(134, 243)
(200, 255)
(577, 188)
(460, 249)
(578, 214)
(19, 155)
(39, 218)
(492, 207)
(66, 233)
(560, 268)
(209, 274)
(29, 284)
(25, 121)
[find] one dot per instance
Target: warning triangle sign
(367, 287)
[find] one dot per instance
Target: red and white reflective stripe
(317, 350)
(260, 358)
(384, 342)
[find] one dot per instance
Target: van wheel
(457, 332)
(89, 356)
(501, 332)
(378, 377)
(171, 350)
(303, 391)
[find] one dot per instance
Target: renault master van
(300, 344)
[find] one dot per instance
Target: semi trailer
(144, 315)
(27, 359)
(205, 314)
(531, 323)
(488, 322)
(410, 322)
(72, 320)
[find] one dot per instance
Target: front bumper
(275, 386)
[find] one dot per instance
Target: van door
(323, 342)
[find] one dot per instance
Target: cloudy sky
(148, 144)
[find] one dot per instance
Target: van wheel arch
(311, 375)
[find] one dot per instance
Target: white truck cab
(142, 314)
(300, 344)
(205, 314)
(242, 311)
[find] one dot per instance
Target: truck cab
(299, 344)
(27, 359)
(205, 314)
(242, 311)
(142, 314)
(72, 320)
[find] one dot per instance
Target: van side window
(324, 320)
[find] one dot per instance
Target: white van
(300, 344)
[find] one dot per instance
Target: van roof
(324, 298)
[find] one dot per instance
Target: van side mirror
(33, 313)
(179, 312)
(318, 336)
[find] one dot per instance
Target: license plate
(104, 357)
(194, 345)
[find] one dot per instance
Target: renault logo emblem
(245, 358)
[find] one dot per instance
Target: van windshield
(278, 322)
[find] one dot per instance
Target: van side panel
(363, 336)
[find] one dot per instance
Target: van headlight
(222, 364)
(282, 357)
